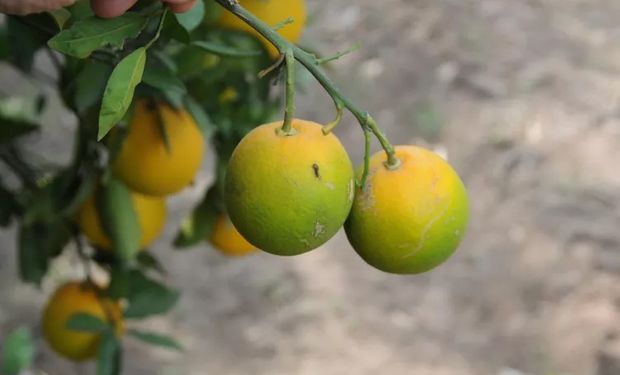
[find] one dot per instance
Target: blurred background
(523, 96)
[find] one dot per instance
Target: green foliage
(156, 339)
(92, 33)
(109, 354)
(17, 352)
(86, 323)
(102, 67)
(192, 19)
(119, 218)
(119, 90)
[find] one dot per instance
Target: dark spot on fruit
(315, 169)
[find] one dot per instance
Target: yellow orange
(151, 213)
(409, 219)
(70, 299)
(288, 194)
(227, 239)
(271, 12)
(145, 164)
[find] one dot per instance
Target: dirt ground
(524, 98)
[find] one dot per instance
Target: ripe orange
(151, 212)
(228, 240)
(145, 164)
(69, 299)
(271, 12)
(289, 194)
(412, 218)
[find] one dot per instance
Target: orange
(288, 194)
(151, 212)
(145, 164)
(70, 299)
(410, 219)
(228, 240)
(271, 12)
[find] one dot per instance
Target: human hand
(102, 8)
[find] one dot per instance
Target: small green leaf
(198, 226)
(8, 206)
(33, 259)
(155, 339)
(18, 116)
(24, 41)
(163, 131)
(173, 30)
(109, 355)
(119, 218)
(80, 10)
(192, 19)
(149, 261)
(92, 33)
(200, 116)
(120, 89)
(17, 353)
(86, 322)
(60, 16)
(220, 49)
(147, 297)
(163, 80)
(90, 84)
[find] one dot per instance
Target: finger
(111, 8)
(180, 6)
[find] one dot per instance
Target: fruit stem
(289, 112)
(313, 65)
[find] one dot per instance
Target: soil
(523, 97)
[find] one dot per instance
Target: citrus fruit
(70, 299)
(227, 239)
(409, 219)
(145, 164)
(271, 12)
(288, 194)
(151, 213)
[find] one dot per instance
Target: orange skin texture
(144, 163)
(411, 219)
(69, 299)
(151, 212)
(289, 194)
(227, 239)
(271, 12)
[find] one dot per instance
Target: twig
(311, 63)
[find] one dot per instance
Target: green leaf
(155, 339)
(167, 83)
(33, 258)
(90, 84)
(8, 206)
(92, 33)
(80, 10)
(223, 50)
(147, 297)
(200, 116)
(198, 226)
(193, 18)
(17, 353)
(149, 261)
(120, 89)
(87, 323)
(60, 16)
(24, 41)
(119, 218)
(109, 355)
(173, 30)
(18, 116)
